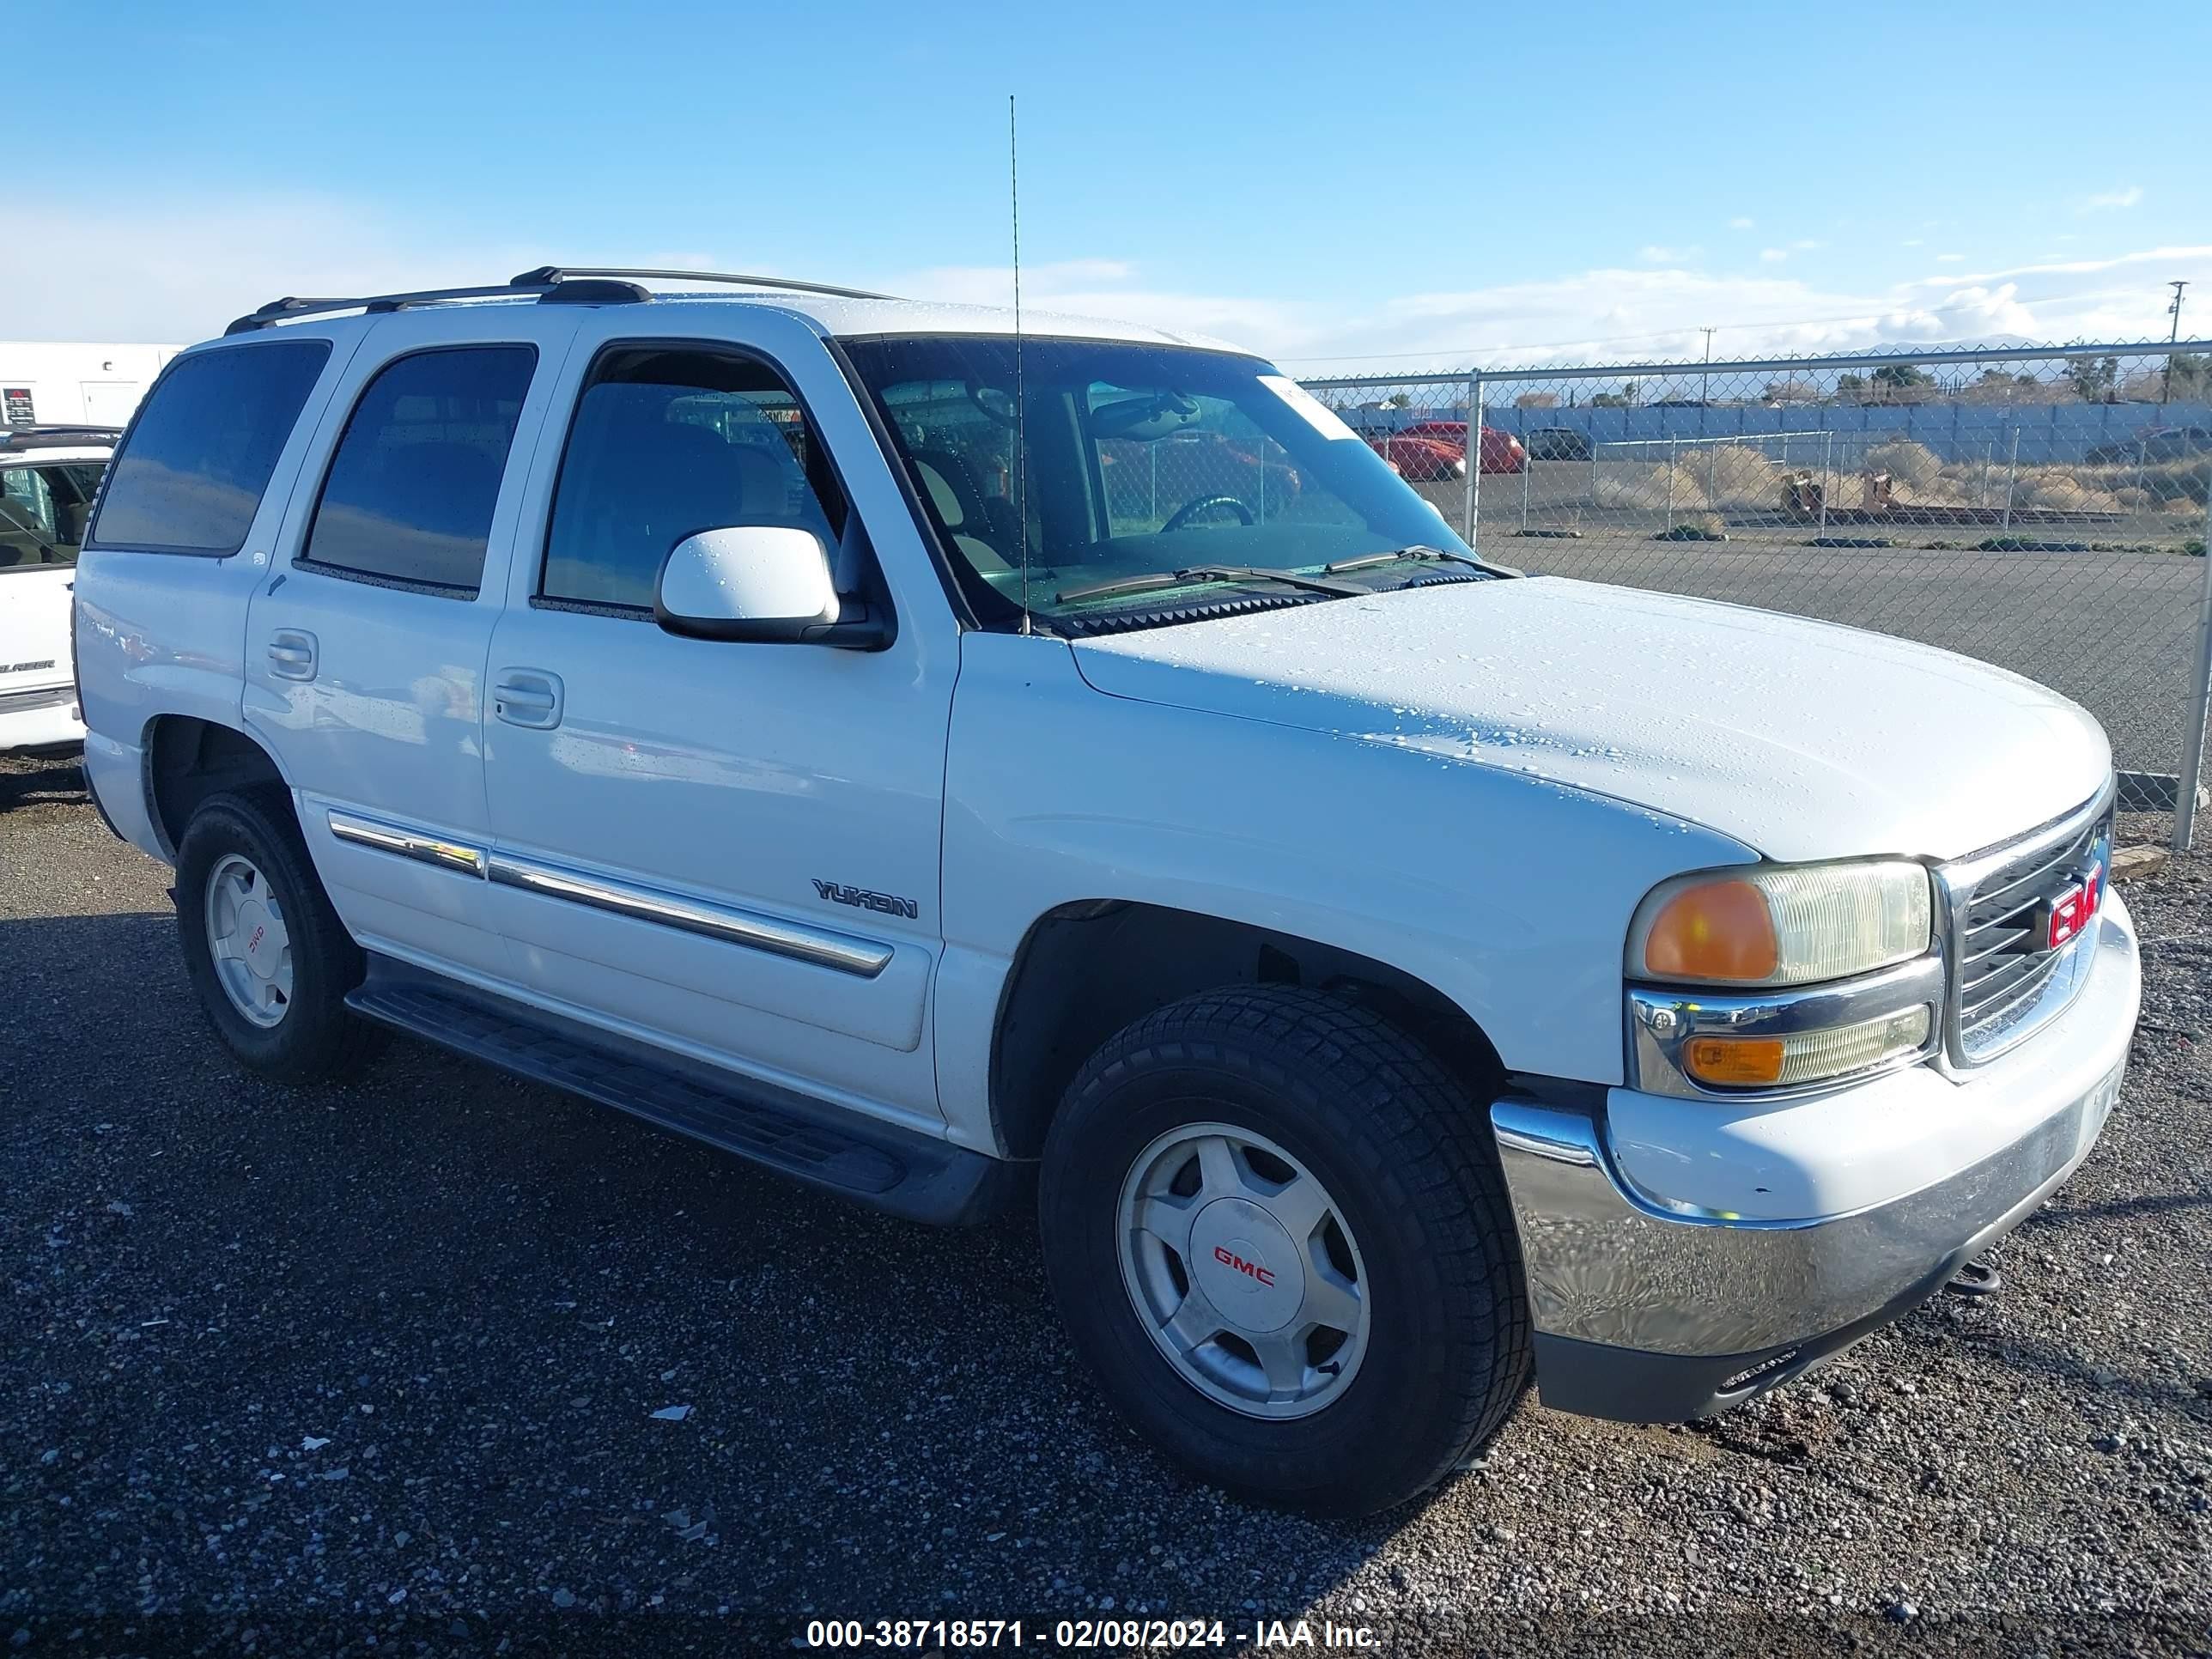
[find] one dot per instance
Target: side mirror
(761, 584)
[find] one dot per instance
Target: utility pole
(2166, 390)
(1705, 384)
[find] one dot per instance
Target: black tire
(317, 1036)
(1406, 1151)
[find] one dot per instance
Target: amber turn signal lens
(1733, 1062)
(1716, 930)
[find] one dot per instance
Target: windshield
(1143, 461)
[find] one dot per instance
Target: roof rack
(566, 273)
(552, 284)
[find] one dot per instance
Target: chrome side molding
(823, 948)
(408, 843)
(864, 958)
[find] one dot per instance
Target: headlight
(1781, 925)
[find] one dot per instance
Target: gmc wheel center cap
(256, 946)
(1247, 1264)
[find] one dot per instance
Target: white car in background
(49, 478)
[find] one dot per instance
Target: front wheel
(1277, 1230)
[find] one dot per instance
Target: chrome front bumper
(1650, 1311)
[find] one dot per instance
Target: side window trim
(299, 560)
(537, 597)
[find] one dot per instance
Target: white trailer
(75, 383)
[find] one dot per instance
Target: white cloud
(1910, 241)
(177, 273)
(2109, 199)
(1805, 245)
(1739, 224)
(1652, 254)
(1948, 259)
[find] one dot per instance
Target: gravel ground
(376, 1368)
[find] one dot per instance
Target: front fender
(1509, 894)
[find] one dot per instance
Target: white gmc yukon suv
(928, 759)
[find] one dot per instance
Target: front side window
(192, 470)
(42, 510)
(412, 486)
(668, 441)
(1141, 462)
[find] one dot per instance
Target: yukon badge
(887, 903)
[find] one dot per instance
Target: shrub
(1908, 464)
(2056, 490)
(1735, 475)
(1643, 487)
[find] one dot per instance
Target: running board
(876, 1165)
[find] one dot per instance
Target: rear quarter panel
(160, 634)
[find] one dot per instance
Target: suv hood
(1801, 739)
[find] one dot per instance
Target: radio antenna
(1021, 449)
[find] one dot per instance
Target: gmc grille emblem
(888, 904)
(2067, 913)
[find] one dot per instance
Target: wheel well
(187, 760)
(1086, 970)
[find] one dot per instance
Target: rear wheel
(267, 955)
(1277, 1230)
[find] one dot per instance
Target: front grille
(2005, 980)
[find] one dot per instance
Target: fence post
(2192, 732)
(1527, 467)
(1670, 481)
(1473, 512)
(2012, 478)
(1827, 446)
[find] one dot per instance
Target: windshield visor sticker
(1315, 413)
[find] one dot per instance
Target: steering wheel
(1189, 510)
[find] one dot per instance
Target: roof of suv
(842, 311)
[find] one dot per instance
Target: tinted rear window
(412, 486)
(192, 470)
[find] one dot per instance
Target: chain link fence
(2044, 509)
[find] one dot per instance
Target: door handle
(292, 654)
(527, 696)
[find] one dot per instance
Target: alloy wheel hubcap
(248, 940)
(1243, 1271)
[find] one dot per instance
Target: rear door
(365, 647)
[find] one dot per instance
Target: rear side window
(412, 489)
(192, 470)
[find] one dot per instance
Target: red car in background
(1420, 460)
(1501, 451)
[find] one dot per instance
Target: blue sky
(1402, 185)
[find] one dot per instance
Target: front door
(729, 849)
(366, 646)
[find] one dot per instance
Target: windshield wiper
(1217, 573)
(1418, 550)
